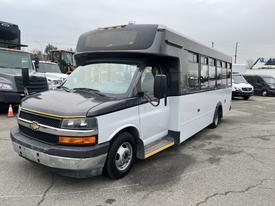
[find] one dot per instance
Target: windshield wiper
(90, 90)
(65, 88)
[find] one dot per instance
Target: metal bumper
(242, 94)
(38, 152)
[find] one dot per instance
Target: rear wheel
(246, 97)
(264, 93)
(121, 156)
(216, 119)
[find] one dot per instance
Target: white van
(240, 87)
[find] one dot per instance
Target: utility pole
(236, 51)
(212, 44)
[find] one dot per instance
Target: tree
(250, 63)
(49, 47)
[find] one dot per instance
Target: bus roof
(141, 38)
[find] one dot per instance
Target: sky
(251, 23)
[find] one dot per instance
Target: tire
(2, 108)
(246, 97)
(264, 93)
(216, 119)
(121, 156)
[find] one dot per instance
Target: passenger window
(212, 73)
(219, 73)
(224, 73)
(204, 76)
(193, 71)
(228, 74)
(148, 79)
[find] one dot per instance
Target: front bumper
(10, 97)
(241, 94)
(72, 158)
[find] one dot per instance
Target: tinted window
(228, 74)
(204, 75)
(212, 73)
(219, 73)
(48, 67)
(125, 38)
(148, 79)
(193, 71)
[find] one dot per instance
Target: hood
(62, 103)
(13, 72)
(53, 76)
(240, 85)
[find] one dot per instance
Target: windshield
(15, 60)
(269, 80)
(107, 78)
(238, 79)
(48, 67)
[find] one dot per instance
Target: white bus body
(176, 87)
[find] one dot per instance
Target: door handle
(198, 110)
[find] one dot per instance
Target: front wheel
(121, 156)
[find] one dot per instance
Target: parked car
(240, 87)
(263, 84)
(52, 72)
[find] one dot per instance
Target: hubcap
(264, 93)
(124, 156)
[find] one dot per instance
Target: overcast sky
(60, 22)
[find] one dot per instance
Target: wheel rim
(124, 156)
(264, 93)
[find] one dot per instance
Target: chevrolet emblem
(34, 126)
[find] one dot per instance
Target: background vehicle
(52, 72)
(263, 84)
(240, 87)
(138, 90)
(12, 87)
(10, 36)
(64, 59)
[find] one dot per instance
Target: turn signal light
(77, 140)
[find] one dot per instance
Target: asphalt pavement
(230, 165)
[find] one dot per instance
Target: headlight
(80, 124)
(53, 84)
(4, 86)
(235, 89)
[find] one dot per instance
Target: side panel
(196, 111)
(153, 121)
(110, 124)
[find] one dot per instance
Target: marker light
(77, 140)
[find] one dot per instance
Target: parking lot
(230, 165)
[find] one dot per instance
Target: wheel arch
(134, 131)
(219, 108)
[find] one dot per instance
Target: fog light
(77, 140)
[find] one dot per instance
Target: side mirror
(25, 76)
(160, 86)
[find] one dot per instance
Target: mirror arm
(151, 101)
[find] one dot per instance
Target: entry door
(153, 119)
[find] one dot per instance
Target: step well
(158, 146)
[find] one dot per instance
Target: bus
(138, 90)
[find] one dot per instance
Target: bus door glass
(153, 120)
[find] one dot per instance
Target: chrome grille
(49, 121)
